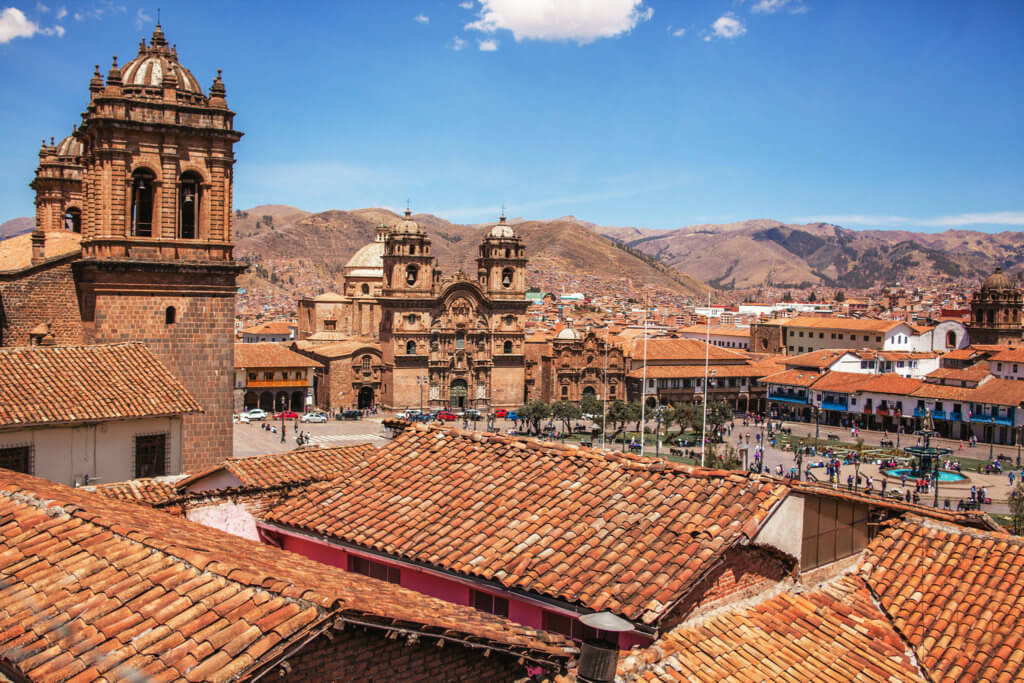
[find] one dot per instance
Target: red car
(446, 416)
(287, 415)
(500, 412)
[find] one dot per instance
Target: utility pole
(604, 404)
(707, 344)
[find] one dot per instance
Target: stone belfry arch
(157, 176)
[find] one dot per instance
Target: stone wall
(40, 294)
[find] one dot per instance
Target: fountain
(927, 458)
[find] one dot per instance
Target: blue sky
(654, 113)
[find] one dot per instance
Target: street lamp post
(657, 430)
(421, 382)
(281, 405)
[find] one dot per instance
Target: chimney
(599, 657)
(38, 246)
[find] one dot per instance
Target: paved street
(251, 439)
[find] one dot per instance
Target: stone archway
(365, 399)
(252, 400)
(298, 398)
(589, 391)
(267, 401)
(458, 393)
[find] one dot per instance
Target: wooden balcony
(277, 383)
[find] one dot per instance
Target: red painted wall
(450, 589)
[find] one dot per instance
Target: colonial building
(351, 376)
(453, 342)
(147, 180)
(996, 311)
(272, 377)
(572, 365)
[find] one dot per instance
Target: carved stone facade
(444, 343)
(996, 311)
(147, 179)
(573, 365)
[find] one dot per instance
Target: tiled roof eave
(18, 426)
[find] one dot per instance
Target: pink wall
(450, 589)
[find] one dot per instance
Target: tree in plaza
(589, 405)
(533, 412)
(685, 415)
(633, 413)
(566, 411)
(719, 412)
(840, 296)
(1017, 508)
(721, 457)
(618, 415)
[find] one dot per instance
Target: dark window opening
(73, 220)
(142, 203)
(330, 324)
(506, 277)
(366, 363)
(460, 340)
(366, 289)
(150, 455)
(410, 348)
(375, 570)
(17, 458)
(170, 315)
(567, 626)
(188, 208)
(492, 604)
(508, 347)
(411, 275)
(508, 253)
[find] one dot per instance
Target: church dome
(154, 63)
(502, 230)
(69, 147)
(367, 262)
(996, 281)
(407, 225)
(568, 334)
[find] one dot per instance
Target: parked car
(349, 414)
(447, 416)
(472, 415)
(513, 416)
(315, 416)
(500, 412)
(243, 418)
(256, 414)
(286, 415)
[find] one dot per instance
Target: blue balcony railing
(788, 398)
(939, 414)
(956, 417)
(834, 405)
(919, 412)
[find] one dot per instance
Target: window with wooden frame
(375, 570)
(17, 458)
(485, 602)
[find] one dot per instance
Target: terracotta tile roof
(851, 324)
(973, 374)
(997, 391)
(833, 633)
(69, 384)
(820, 359)
(271, 355)
(95, 587)
(340, 349)
(842, 382)
(1009, 355)
(961, 354)
(680, 349)
(941, 392)
(273, 327)
(955, 594)
(151, 491)
(793, 378)
(720, 330)
(286, 469)
(603, 530)
(889, 383)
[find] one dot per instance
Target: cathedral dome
(69, 147)
(155, 63)
(996, 281)
(568, 334)
(367, 262)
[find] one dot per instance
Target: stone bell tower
(501, 266)
(408, 265)
(157, 265)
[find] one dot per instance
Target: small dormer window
(412, 273)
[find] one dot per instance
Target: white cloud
(773, 6)
(678, 33)
(14, 24)
(61, 13)
(466, 5)
(960, 220)
(727, 26)
(40, 7)
(141, 19)
(421, 18)
(458, 43)
(582, 21)
(79, 16)
(490, 45)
